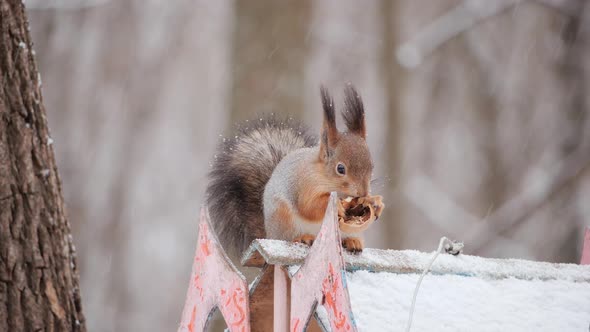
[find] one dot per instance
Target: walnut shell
(355, 214)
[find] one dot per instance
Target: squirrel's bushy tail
(241, 168)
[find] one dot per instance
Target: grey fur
(240, 171)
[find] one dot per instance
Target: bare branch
(519, 209)
(447, 26)
(457, 20)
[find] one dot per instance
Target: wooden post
(281, 300)
(586, 248)
(261, 300)
(215, 283)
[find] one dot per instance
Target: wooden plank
(281, 300)
(586, 248)
(215, 282)
(411, 261)
(321, 280)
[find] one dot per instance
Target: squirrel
(273, 180)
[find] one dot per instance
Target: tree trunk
(38, 272)
(269, 49)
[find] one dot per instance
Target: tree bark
(38, 272)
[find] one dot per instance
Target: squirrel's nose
(363, 190)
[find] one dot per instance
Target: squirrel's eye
(341, 169)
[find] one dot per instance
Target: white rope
(450, 247)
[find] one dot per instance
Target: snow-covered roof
(462, 293)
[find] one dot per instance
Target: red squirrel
(273, 180)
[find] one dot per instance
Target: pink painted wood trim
(322, 279)
(281, 301)
(586, 248)
(215, 282)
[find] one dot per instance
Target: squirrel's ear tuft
(354, 111)
(329, 135)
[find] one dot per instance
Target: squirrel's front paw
(305, 238)
(377, 203)
(353, 244)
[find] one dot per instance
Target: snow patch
(381, 301)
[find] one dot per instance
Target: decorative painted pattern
(214, 282)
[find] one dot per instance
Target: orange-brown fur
(311, 203)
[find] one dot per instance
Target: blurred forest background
(478, 117)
